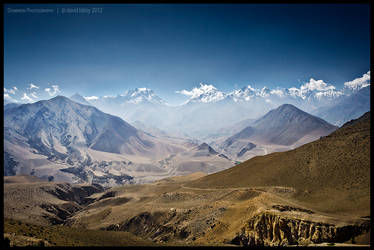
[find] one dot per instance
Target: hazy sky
(174, 47)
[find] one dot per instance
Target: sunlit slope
(23, 234)
(331, 174)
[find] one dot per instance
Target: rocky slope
(269, 229)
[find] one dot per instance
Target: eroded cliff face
(264, 229)
(76, 197)
(267, 229)
(74, 193)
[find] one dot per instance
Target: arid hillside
(22, 234)
(331, 174)
(32, 200)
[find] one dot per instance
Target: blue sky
(174, 47)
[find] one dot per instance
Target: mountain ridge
(329, 174)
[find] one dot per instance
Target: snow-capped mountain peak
(314, 89)
(205, 93)
(139, 95)
(133, 96)
(277, 92)
(244, 94)
(311, 90)
(358, 83)
(265, 92)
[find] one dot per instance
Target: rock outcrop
(174, 225)
(267, 229)
(152, 225)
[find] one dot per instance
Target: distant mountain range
(133, 96)
(208, 93)
(209, 111)
(141, 137)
